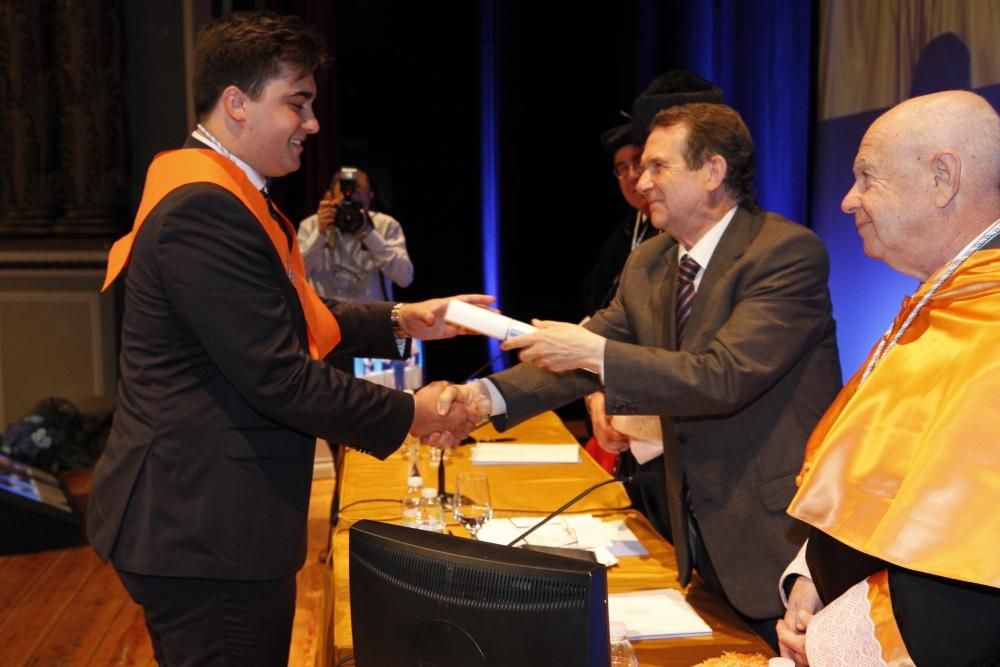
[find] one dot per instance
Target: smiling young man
(201, 496)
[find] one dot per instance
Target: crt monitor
(423, 598)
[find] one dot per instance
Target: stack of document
(491, 453)
(656, 614)
(608, 540)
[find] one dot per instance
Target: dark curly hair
(247, 49)
(715, 129)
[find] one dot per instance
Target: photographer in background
(351, 252)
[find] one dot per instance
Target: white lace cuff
(842, 633)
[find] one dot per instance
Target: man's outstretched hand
(559, 346)
(444, 414)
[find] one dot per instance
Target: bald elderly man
(901, 479)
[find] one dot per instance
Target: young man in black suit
(201, 497)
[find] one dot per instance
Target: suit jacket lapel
(733, 243)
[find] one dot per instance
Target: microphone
(631, 479)
(446, 498)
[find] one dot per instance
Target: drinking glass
(434, 457)
(471, 503)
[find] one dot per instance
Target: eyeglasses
(621, 169)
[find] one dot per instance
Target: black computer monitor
(422, 598)
(36, 510)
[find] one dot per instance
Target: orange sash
(887, 633)
(906, 467)
(173, 169)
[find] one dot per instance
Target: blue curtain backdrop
(489, 161)
(760, 52)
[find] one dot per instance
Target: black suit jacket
(208, 468)
(757, 369)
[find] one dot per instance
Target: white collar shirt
(204, 137)
(703, 250)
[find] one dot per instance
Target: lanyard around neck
(883, 348)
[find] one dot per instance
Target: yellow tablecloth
(371, 490)
(521, 488)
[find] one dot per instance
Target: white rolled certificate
(485, 322)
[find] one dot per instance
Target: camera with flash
(350, 215)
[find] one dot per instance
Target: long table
(371, 489)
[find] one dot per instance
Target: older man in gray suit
(722, 328)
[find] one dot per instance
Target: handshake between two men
(446, 413)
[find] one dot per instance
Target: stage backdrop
(873, 55)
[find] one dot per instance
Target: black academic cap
(670, 89)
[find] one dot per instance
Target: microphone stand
(447, 499)
(564, 507)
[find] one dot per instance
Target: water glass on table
(472, 505)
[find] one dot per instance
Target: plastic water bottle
(622, 653)
(411, 501)
(431, 514)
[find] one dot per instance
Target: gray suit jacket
(757, 369)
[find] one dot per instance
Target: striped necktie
(686, 274)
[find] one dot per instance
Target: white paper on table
(559, 532)
(556, 533)
(645, 435)
(607, 540)
(656, 614)
(491, 453)
(615, 536)
(604, 557)
(498, 531)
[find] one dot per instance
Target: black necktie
(277, 216)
